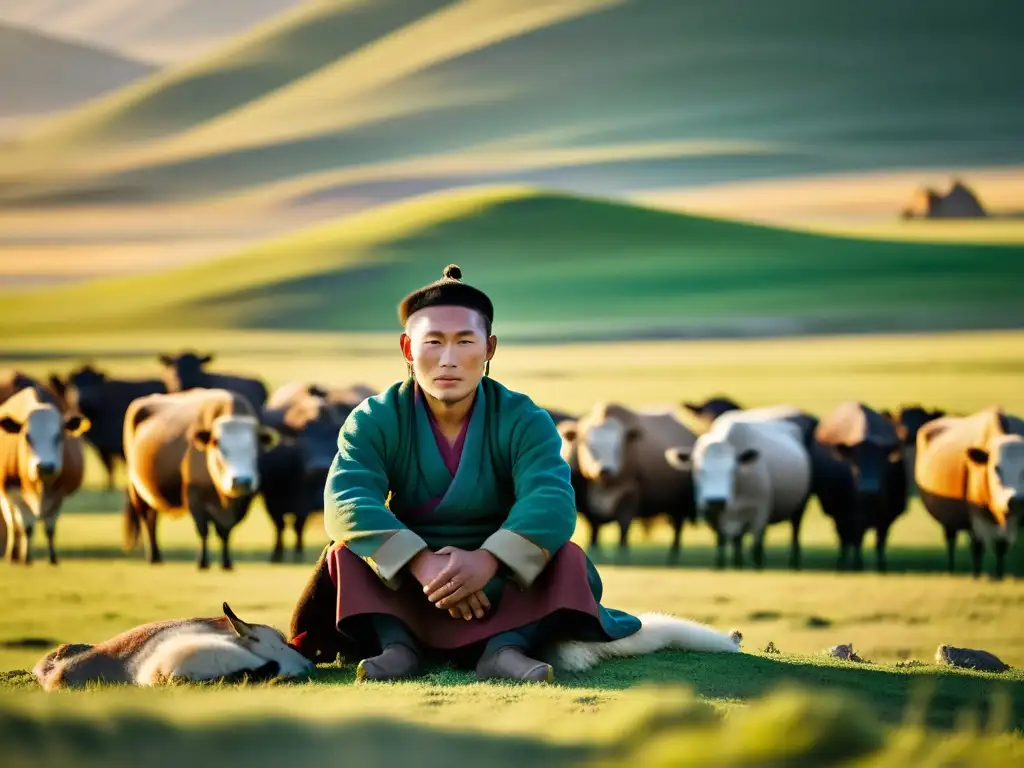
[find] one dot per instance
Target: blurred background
(797, 202)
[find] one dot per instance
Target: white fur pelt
(658, 632)
(195, 656)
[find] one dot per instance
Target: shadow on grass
(939, 697)
(132, 740)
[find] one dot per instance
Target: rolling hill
(153, 30)
(558, 267)
(815, 87)
(46, 74)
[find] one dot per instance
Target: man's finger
(445, 551)
(447, 589)
(462, 593)
(474, 604)
(484, 601)
(454, 613)
(467, 614)
(446, 575)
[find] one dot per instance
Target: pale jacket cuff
(391, 556)
(524, 558)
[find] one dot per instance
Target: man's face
(448, 348)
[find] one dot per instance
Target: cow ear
(569, 432)
(316, 391)
(978, 455)
(200, 438)
(166, 360)
(242, 629)
(269, 438)
(57, 385)
(679, 458)
(691, 407)
(205, 359)
(748, 456)
(9, 425)
(76, 424)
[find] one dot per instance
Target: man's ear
(405, 344)
(200, 438)
(492, 345)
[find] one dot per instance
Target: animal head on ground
(268, 643)
(1003, 464)
(41, 428)
(232, 445)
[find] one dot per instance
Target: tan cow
(41, 463)
(620, 452)
(195, 451)
(748, 475)
(970, 474)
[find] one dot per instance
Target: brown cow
(621, 453)
(194, 451)
(970, 474)
(12, 382)
(41, 463)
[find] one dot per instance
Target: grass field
(607, 715)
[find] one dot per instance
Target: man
(450, 510)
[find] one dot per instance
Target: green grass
(659, 710)
(821, 88)
(556, 267)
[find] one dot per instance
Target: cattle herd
(206, 444)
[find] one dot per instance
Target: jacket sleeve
(543, 517)
(355, 496)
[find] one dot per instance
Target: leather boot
(510, 663)
(393, 663)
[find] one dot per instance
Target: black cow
(294, 473)
(711, 409)
(104, 401)
(860, 478)
(186, 371)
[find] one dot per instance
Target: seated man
(450, 510)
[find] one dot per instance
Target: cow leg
(28, 527)
(6, 527)
(677, 539)
(758, 549)
(225, 552)
(108, 464)
(951, 548)
(794, 547)
(737, 551)
(720, 555)
(881, 537)
(977, 551)
(595, 533)
(50, 525)
(624, 523)
(300, 528)
(202, 522)
(278, 554)
(1000, 546)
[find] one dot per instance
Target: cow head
(602, 450)
(568, 431)
(85, 389)
(232, 445)
(184, 371)
(869, 461)
(42, 434)
(715, 464)
(1003, 463)
(313, 426)
(269, 644)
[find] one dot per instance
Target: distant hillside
(557, 267)
(44, 74)
(152, 30)
(815, 87)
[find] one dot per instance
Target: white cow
(748, 475)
